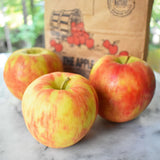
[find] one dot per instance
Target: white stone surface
(135, 140)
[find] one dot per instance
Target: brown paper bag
(82, 31)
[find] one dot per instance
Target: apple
(90, 43)
(113, 49)
(125, 86)
(53, 43)
(86, 35)
(76, 40)
(58, 47)
(124, 53)
(80, 26)
(82, 39)
(25, 65)
(59, 108)
(106, 44)
(73, 24)
(70, 39)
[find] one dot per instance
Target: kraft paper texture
(82, 31)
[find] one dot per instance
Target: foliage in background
(23, 35)
(29, 33)
(154, 49)
(155, 19)
(154, 23)
(2, 33)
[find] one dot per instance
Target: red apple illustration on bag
(76, 40)
(82, 39)
(73, 27)
(106, 44)
(58, 47)
(53, 43)
(86, 35)
(79, 36)
(70, 39)
(113, 49)
(80, 26)
(123, 53)
(90, 43)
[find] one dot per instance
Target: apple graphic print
(58, 47)
(113, 48)
(106, 43)
(90, 43)
(77, 37)
(124, 53)
(74, 33)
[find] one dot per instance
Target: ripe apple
(59, 108)
(25, 65)
(125, 86)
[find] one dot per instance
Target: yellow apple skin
(25, 65)
(125, 86)
(57, 116)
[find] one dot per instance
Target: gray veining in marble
(135, 140)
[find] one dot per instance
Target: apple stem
(128, 57)
(64, 83)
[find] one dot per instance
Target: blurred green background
(22, 25)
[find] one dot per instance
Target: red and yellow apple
(59, 108)
(25, 65)
(125, 86)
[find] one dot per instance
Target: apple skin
(59, 117)
(25, 65)
(125, 86)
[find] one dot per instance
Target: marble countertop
(135, 140)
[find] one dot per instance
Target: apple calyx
(128, 59)
(64, 83)
(125, 59)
